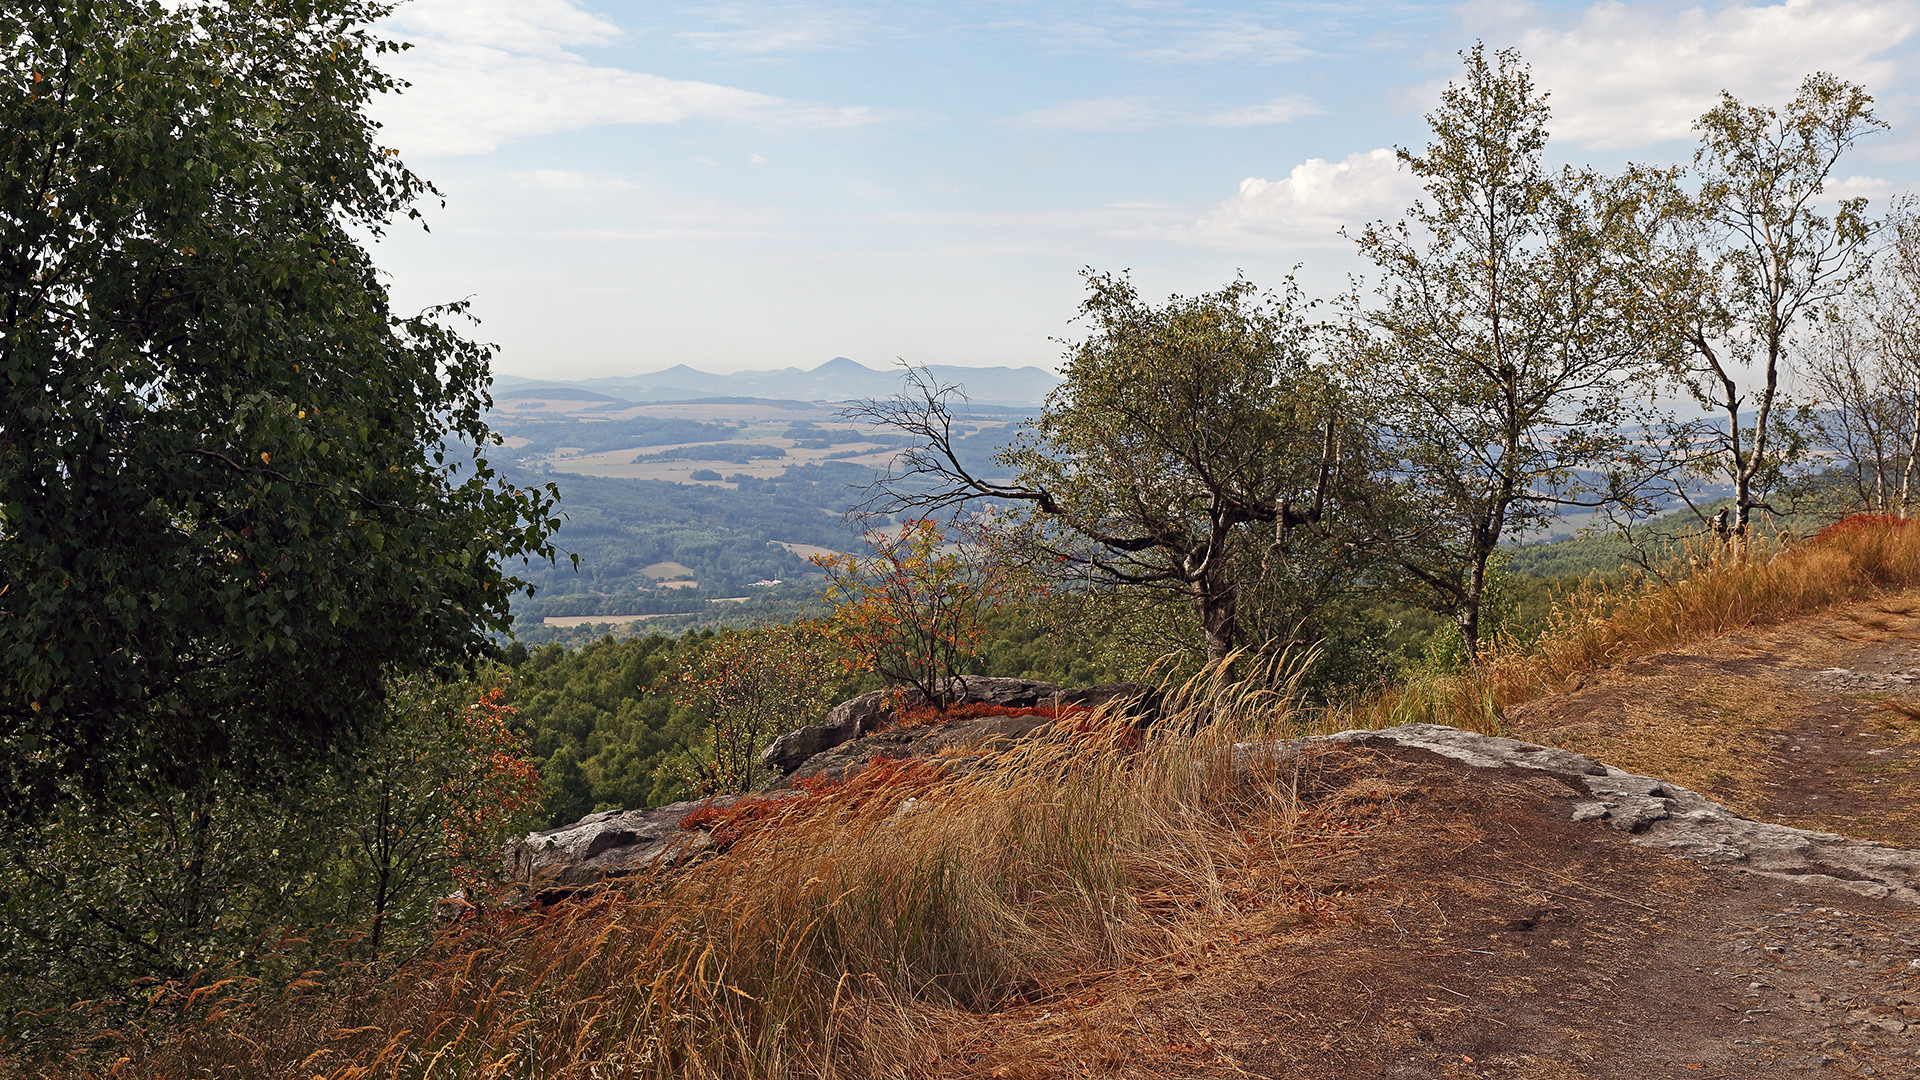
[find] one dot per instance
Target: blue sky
(756, 185)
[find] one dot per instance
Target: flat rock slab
(1679, 822)
(960, 742)
(793, 752)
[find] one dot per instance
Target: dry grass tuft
(841, 942)
(1598, 624)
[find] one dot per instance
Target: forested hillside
(712, 521)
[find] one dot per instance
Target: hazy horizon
(755, 184)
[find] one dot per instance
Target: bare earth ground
(1430, 919)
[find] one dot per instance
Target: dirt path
(1431, 919)
(1811, 724)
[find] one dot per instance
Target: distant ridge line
(839, 379)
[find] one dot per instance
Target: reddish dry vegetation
(1078, 908)
(922, 716)
(1863, 525)
(889, 780)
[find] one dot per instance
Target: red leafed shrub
(491, 783)
(728, 823)
(889, 778)
(914, 610)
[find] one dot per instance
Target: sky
(748, 185)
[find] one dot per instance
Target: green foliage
(1186, 445)
(602, 722)
(915, 610)
(163, 882)
(752, 685)
(156, 883)
(1061, 641)
(1507, 340)
(1194, 452)
(233, 494)
(427, 804)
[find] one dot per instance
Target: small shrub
(915, 611)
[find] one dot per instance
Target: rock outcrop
(1654, 813)
(614, 843)
(860, 716)
(981, 735)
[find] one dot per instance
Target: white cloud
(767, 30)
(1858, 187)
(1280, 111)
(486, 72)
(1628, 75)
(563, 182)
(1310, 205)
(1156, 31)
(533, 26)
(1133, 114)
(1231, 40)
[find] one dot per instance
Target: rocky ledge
(1652, 812)
(616, 843)
(856, 720)
(610, 844)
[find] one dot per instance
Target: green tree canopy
(236, 489)
(1183, 453)
(1506, 343)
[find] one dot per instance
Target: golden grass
(838, 940)
(1599, 624)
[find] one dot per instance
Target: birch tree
(1863, 368)
(1743, 262)
(1505, 343)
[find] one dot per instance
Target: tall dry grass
(846, 936)
(1706, 591)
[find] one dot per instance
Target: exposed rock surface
(847, 721)
(1678, 821)
(608, 844)
(1653, 812)
(983, 734)
(860, 716)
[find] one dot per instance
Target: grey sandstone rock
(847, 721)
(860, 716)
(609, 844)
(1666, 816)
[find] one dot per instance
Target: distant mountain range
(839, 379)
